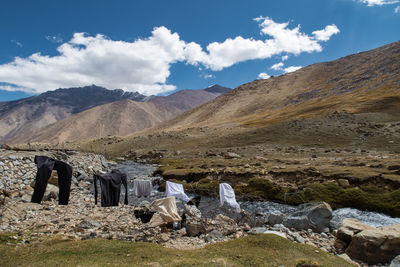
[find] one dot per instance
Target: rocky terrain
(26, 222)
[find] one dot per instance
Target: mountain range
(353, 101)
(92, 111)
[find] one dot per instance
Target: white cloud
(379, 2)
(263, 75)
(277, 66)
(208, 76)
(285, 58)
(291, 69)
(144, 64)
(325, 34)
(16, 43)
(397, 9)
(54, 39)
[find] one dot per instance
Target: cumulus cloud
(263, 76)
(397, 9)
(277, 66)
(379, 2)
(144, 64)
(285, 58)
(291, 69)
(325, 34)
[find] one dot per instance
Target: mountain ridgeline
(92, 111)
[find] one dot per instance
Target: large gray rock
(273, 219)
(395, 262)
(375, 246)
(192, 211)
(315, 216)
(88, 224)
(214, 236)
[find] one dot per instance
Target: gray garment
(142, 188)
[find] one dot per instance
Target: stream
(210, 206)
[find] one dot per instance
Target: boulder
(192, 211)
(375, 246)
(214, 236)
(343, 183)
(273, 219)
(314, 215)
(395, 262)
(195, 229)
(350, 227)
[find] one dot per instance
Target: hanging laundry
(142, 188)
(166, 211)
(176, 190)
(45, 166)
(226, 194)
(110, 184)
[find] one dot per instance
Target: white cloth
(166, 211)
(142, 188)
(176, 190)
(226, 194)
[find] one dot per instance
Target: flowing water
(210, 206)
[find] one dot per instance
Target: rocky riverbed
(82, 219)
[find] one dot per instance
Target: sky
(160, 47)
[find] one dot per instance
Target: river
(210, 206)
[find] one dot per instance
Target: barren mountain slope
(368, 81)
(117, 118)
(157, 109)
(29, 114)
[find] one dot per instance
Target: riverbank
(24, 223)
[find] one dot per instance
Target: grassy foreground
(260, 250)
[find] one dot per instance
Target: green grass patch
(260, 250)
(365, 198)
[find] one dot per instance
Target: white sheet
(226, 194)
(142, 188)
(176, 190)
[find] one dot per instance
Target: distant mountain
(29, 114)
(117, 118)
(218, 89)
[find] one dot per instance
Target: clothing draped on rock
(166, 211)
(176, 190)
(143, 214)
(142, 188)
(110, 184)
(227, 195)
(45, 166)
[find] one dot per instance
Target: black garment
(44, 167)
(110, 184)
(144, 215)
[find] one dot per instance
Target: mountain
(117, 118)
(364, 82)
(217, 89)
(29, 114)
(351, 102)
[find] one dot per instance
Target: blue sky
(157, 47)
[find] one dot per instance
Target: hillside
(364, 82)
(29, 114)
(350, 102)
(118, 118)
